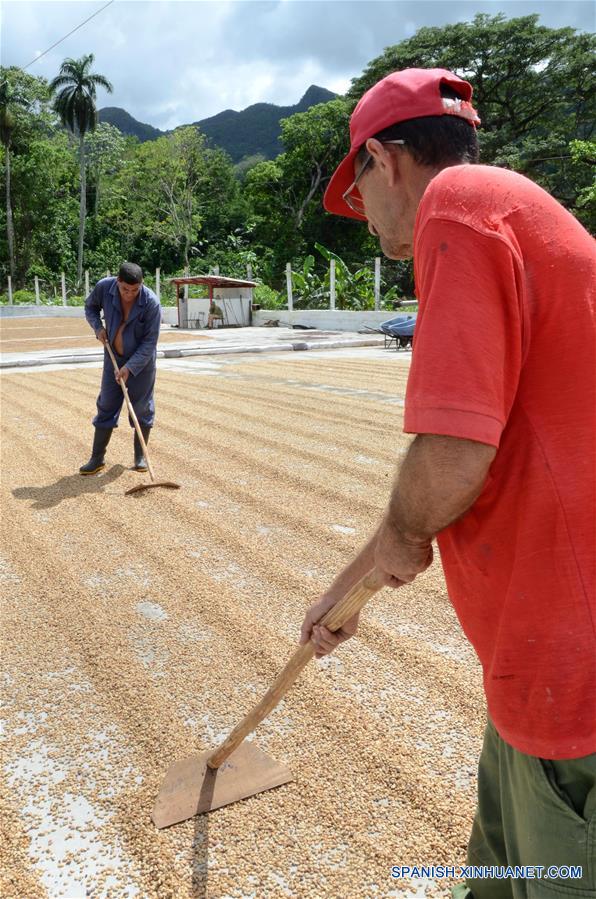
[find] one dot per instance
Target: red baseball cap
(409, 94)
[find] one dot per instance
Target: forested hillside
(127, 124)
(255, 131)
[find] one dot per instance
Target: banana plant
(309, 287)
(353, 290)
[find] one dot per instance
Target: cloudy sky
(176, 61)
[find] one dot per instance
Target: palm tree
(75, 89)
(11, 99)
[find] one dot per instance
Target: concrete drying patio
(25, 335)
(136, 630)
(33, 341)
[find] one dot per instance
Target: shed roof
(214, 281)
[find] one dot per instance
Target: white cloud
(177, 62)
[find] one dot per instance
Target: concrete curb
(53, 360)
(205, 351)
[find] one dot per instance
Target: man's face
(388, 209)
(128, 292)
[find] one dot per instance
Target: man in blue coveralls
(132, 320)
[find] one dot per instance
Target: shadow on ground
(200, 862)
(68, 487)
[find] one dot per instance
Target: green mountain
(253, 131)
(256, 129)
(128, 125)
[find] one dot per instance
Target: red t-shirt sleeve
(468, 338)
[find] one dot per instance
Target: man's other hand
(102, 336)
(398, 561)
(324, 640)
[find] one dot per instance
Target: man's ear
(384, 159)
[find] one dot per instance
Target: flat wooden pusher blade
(237, 770)
(191, 787)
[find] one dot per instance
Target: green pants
(533, 812)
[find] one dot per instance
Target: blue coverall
(139, 342)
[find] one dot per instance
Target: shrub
(267, 297)
(23, 298)
(27, 298)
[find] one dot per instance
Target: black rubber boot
(140, 461)
(98, 453)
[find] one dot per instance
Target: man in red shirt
(502, 472)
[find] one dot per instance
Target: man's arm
(93, 307)
(146, 348)
(439, 480)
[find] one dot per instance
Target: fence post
(63, 289)
(248, 271)
(86, 283)
(37, 300)
(186, 285)
(158, 284)
(377, 282)
(216, 269)
(289, 287)
(10, 290)
(108, 274)
(332, 284)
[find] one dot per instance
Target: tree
(174, 200)
(45, 190)
(75, 89)
(285, 195)
(246, 164)
(165, 177)
(534, 88)
(104, 154)
(18, 94)
(314, 143)
(583, 158)
(224, 212)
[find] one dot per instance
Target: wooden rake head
(137, 489)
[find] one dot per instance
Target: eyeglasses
(354, 200)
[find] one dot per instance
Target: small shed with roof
(233, 296)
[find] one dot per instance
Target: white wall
(55, 311)
(326, 319)
(190, 309)
(233, 304)
(169, 315)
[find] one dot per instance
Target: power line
(68, 35)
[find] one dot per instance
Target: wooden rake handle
(131, 411)
(341, 612)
